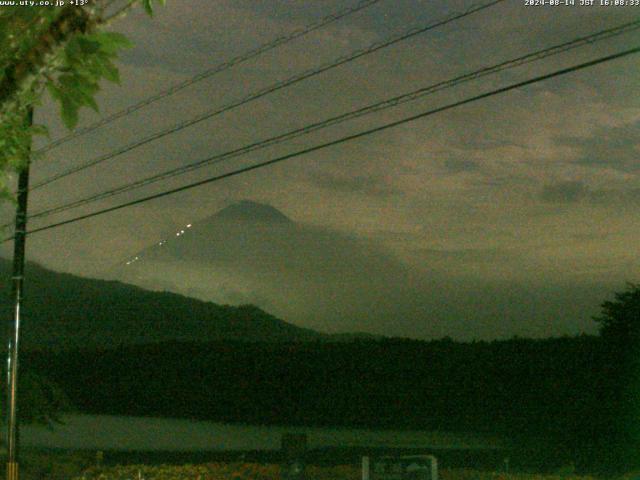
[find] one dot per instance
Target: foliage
(59, 465)
(61, 50)
(148, 5)
(214, 471)
(620, 319)
(84, 61)
(237, 471)
(465, 474)
(620, 333)
(41, 400)
(70, 311)
(557, 398)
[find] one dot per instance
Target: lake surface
(107, 432)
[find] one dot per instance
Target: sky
(514, 215)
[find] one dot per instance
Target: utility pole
(17, 293)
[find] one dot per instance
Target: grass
(238, 471)
(81, 466)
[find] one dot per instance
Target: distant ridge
(356, 337)
(67, 311)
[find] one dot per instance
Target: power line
(378, 106)
(120, 11)
(341, 140)
(212, 71)
(270, 89)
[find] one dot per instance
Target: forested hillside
(570, 395)
(67, 311)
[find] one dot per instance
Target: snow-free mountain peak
(250, 211)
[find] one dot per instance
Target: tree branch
(72, 20)
(119, 13)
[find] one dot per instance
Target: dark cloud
(564, 192)
(468, 255)
(359, 184)
(616, 148)
(616, 197)
(588, 237)
(458, 165)
(575, 191)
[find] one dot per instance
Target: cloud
(564, 192)
(569, 192)
(460, 165)
(473, 187)
(616, 148)
(468, 254)
(364, 184)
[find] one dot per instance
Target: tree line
(574, 397)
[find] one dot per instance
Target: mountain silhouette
(250, 211)
(336, 282)
(252, 253)
(67, 311)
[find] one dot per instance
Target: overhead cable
(341, 140)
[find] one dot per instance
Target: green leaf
(73, 82)
(69, 113)
(54, 91)
(88, 46)
(111, 42)
(147, 7)
(111, 72)
(73, 49)
(92, 104)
